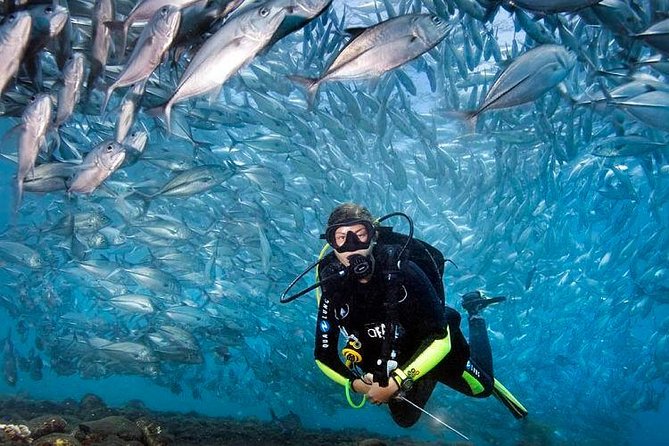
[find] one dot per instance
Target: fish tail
(470, 118)
(164, 112)
(311, 84)
(18, 197)
(233, 139)
(108, 92)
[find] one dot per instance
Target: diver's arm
(327, 339)
(424, 360)
(427, 319)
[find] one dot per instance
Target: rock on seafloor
(90, 422)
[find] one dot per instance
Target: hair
(349, 211)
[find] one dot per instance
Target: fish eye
(436, 20)
(110, 148)
(164, 10)
(263, 12)
(48, 9)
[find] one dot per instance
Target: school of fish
(168, 166)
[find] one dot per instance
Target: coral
(16, 432)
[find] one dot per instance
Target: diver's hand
(359, 386)
(379, 395)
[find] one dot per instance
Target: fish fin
(108, 92)
(163, 112)
(311, 84)
(355, 31)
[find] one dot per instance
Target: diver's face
(358, 233)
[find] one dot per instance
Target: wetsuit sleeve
(327, 341)
(424, 316)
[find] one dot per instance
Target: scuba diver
(383, 292)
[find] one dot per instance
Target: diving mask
(350, 241)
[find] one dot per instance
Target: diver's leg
(479, 344)
(481, 353)
(403, 413)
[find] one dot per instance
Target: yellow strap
(334, 376)
(430, 357)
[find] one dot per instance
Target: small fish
(128, 111)
(9, 362)
(68, 94)
(195, 180)
(380, 48)
(98, 164)
(35, 122)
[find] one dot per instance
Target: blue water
(522, 203)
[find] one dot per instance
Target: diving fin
(501, 393)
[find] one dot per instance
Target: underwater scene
(168, 167)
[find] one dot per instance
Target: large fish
(380, 48)
(142, 12)
(152, 44)
(35, 122)
(14, 35)
(98, 164)
(528, 77)
(225, 52)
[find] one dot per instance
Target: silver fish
(142, 12)
(528, 77)
(148, 52)
(35, 122)
(20, 253)
(68, 95)
(14, 35)
(196, 180)
(47, 22)
(380, 48)
(49, 177)
(103, 11)
(225, 52)
(133, 303)
(128, 111)
(553, 6)
(134, 146)
(98, 164)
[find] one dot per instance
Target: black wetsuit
(430, 346)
